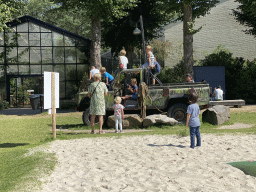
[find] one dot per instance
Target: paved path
(28, 111)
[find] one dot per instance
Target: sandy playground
(151, 163)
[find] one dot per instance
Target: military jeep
(170, 98)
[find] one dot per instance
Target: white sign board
(48, 90)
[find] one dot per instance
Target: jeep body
(170, 98)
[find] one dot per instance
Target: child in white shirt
(119, 114)
(93, 71)
(123, 59)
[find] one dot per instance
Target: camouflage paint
(160, 95)
(109, 99)
(156, 99)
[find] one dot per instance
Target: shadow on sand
(170, 145)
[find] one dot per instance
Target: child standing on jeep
(119, 114)
(151, 58)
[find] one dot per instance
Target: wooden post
(53, 104)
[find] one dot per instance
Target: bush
(239, 74)
(172, 75)
(67, 104)
(4, 105)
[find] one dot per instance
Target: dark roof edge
(26, 18)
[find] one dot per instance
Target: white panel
(48, 92)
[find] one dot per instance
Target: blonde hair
(122, 52)
(96, 76)
(118, 100)
(103, 69)
(134, 80)
(149, 47)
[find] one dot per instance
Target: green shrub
(4, 105)
(67, 104)
(239, 74)
(172, 75)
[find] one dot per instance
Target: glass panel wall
(31, 49)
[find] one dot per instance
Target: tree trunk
(187, 40)
(129, 55)
(96, 43)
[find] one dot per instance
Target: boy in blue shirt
(109, 78)
(193, 121)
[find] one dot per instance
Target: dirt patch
(237, 126)
(246, 108)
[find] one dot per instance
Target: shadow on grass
(9, 145)
(170, 145)
(68, 126)
(63, 133)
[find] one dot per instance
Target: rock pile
(134, 120)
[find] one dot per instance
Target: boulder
(216, 115)
(158, 119)
(129, 121)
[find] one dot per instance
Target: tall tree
(246, 14)
(9, 10)
(72, 20)
(155, 15)
(189, 10)
(98, 10)
(38, 9)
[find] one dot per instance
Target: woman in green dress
(97, 91)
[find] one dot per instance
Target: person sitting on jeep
(133, 89)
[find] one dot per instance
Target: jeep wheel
(178, 111)
(86, 117)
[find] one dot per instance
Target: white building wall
(218, 27)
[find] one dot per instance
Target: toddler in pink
(119, 114)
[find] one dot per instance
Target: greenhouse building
(31, 47)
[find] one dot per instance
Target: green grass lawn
(21, 168)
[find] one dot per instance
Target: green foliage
(239, 74)
(172, 75)
(38, 9)
(9, 9)
(200, 8)
(4, 105)
(161, 49)
(99, 9)
(246, 14)
(191, 29)
(155, 16)
(20, 95)
(67, 104)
